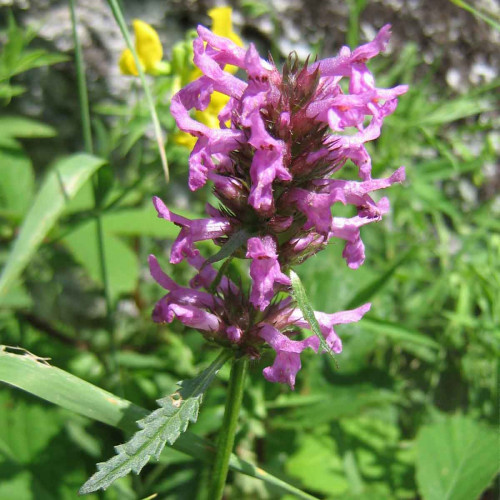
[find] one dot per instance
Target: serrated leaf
(456, 459)
(60, 185)
(160, 427)
(300, 296)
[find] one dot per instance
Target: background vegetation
(412, 411)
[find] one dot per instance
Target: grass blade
(398, 332)
(61, 184)
(484, 17)
(118, 14)
(366, 293)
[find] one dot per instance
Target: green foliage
(31, 374)
(411, 408)
(16, 58)
(160, 427)
(61, 184)
(299, 294)
(457, 458)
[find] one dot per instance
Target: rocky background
(457, 49)
(466, 49)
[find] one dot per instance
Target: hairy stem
(226, 436)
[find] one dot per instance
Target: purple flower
(287, 361)
(265, 270)
(192, 230)
(275, 162)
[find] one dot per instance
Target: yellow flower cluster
(222, 26)
(148, 48)
(150, 53)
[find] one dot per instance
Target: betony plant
(274, 160)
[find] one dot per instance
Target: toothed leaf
(160, 427)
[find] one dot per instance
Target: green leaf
(300, 296)
(142, 221)
(451, 110)
(340, 403)
(398, 332)
(19, 126)
(318, 464)
(63, 389)
(33, 59)
(17, 180)
(236, 241)
(8, 91)
(122, 266)
(61, 184)
(162, 426)
(456, 459)
(28, 431)
(366, 293)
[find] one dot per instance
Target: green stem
(89, 148)
(227, 433)
(118, 15)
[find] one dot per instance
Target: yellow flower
(148, 48)
(222, 26)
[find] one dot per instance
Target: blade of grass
(61, 184)
(366, 293)
(487, 19)
(398, 332)
(89, 148)
(33, 375)
(118, 14)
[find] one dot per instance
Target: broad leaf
(300, 296)
(341, 403)
(456, 459)
(36, 460)
(61, 184)
(162, 426)
(142, 221)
